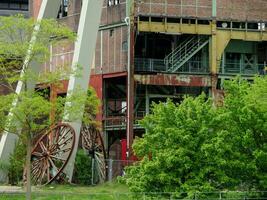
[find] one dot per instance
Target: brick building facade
(176, 47)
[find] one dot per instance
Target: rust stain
(174, 79)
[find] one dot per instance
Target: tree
(194, 147)
(32, 111)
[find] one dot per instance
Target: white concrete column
(83, 56)
(49, 9)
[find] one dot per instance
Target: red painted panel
(96, 81)
(123, 149)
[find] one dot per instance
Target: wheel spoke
(53, 165)
(57, 158)
(38, 154)
(63, 150)
(92, 142)
(47, 163)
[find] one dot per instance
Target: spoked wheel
(93, 144)
(51, 154)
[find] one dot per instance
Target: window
(124, 46)
(113, 2)
(261, 26)
(111, 32)
(63, 11)
(14, 4)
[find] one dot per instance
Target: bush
(82, 174)
(16, 166)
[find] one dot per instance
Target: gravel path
(10, 189)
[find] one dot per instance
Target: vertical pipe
(101, 51)
(92, 171)
(147, 101)
(223, 63)
(51, 58)
(214, 8)
(110, 164)
(114, 49)
(130, 83)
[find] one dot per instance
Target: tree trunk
(28, 169)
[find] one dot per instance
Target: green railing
(159, 65)
(233, 68)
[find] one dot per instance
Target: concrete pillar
(83, 56)
(48, 9)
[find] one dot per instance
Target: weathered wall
(113, 14)
(111, 51)
(236, 10)
(111, 47)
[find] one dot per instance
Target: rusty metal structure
(51, 154)
(92, 143)
(53, 149)
(151, 50)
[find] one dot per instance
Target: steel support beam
(83, 56)
(49, 9)
(201, 29)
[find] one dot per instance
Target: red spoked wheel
(92, 143)
(51, 154)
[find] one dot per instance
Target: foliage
(16, 164)
(194, 147)
(82, 168)
(23, 50)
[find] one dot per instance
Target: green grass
(107, 191)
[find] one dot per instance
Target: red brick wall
(114, 53)
(236, 10)
(113, 14)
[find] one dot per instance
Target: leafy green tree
(29, 110)
(195, 147)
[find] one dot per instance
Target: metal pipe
(128, 86)
(214, 8)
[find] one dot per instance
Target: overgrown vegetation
(83, 168)
(17, 164)
(24, 110)
(195, 147)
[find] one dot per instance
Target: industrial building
(151, 50)
(13, 7)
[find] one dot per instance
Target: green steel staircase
(184, 52)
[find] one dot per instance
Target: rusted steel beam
(174, 80)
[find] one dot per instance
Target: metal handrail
(178, 48)
(193, 44)
(158, 65)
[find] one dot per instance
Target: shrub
(82, 174)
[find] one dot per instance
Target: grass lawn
(107, 191)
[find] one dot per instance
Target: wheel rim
(92, 143)
(51, 154)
